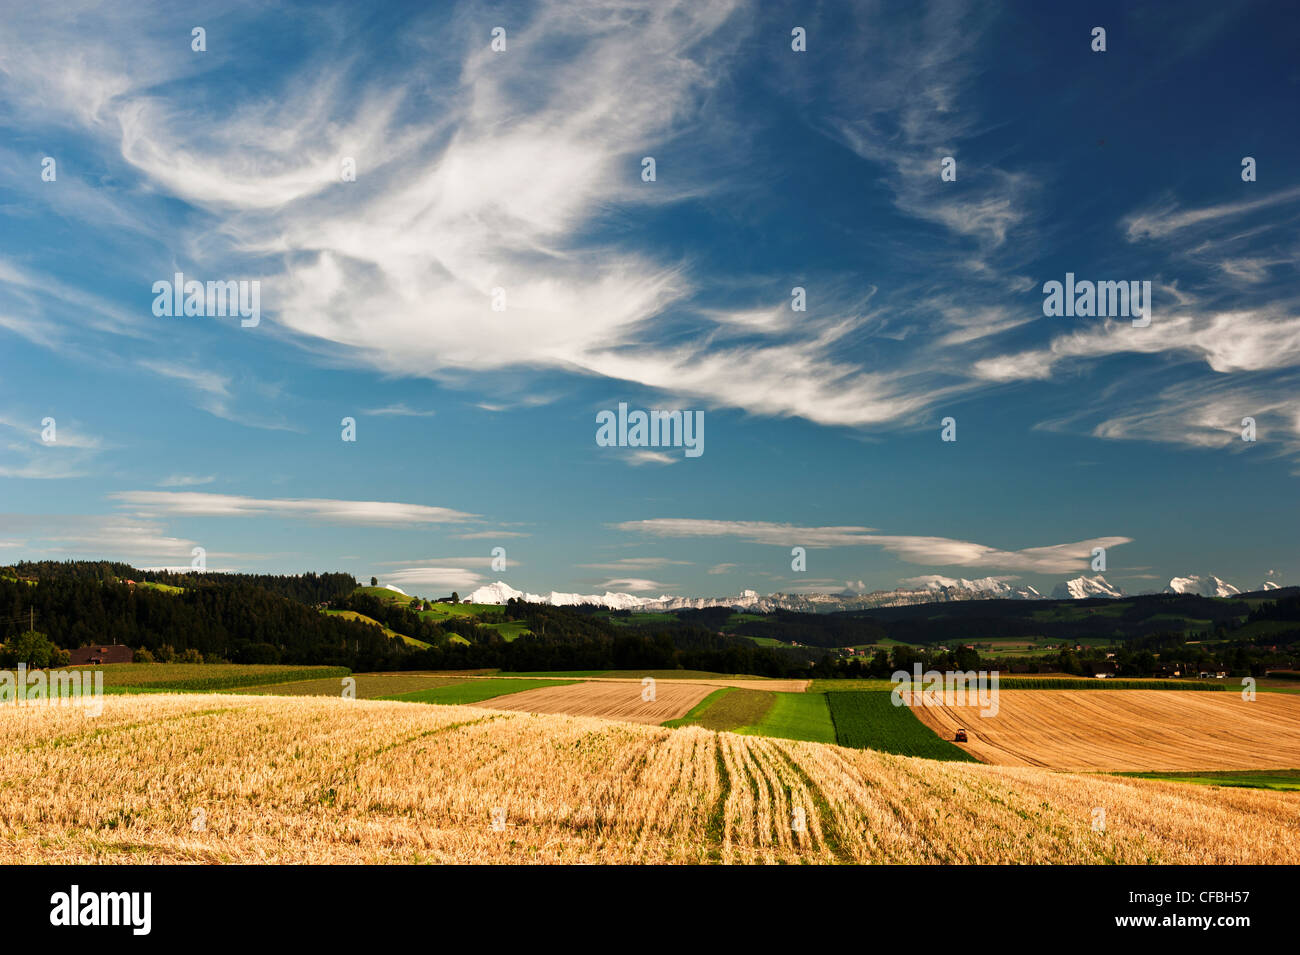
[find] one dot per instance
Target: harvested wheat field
(1128, 730)
(616, 700)
(771, 685)
(180, 778)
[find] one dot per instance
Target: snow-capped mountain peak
(499, 593)
(1081, 588)
(1206, 585)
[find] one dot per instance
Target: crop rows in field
(317, 780)
(870, 720)
(205, 677)
(368, 686)
(861, 719)
(475, 691)
(626, 700)
(1139, 731)
(1072, 683)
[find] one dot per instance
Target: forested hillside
(277, 619)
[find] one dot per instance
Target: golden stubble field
(219, 778)
(1128, 730)
(616, 700)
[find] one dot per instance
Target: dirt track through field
(1128, 730)
(615, 700)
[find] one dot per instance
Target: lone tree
(374, 581)
(34, 649)
(455, 597)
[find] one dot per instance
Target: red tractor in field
(960, 737)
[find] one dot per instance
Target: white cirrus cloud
(438, 578)
(1198, 414)
(1167, 217)
(758, 532)
(915, 549)
(632, 585)
(1229, 341)
(638, 458)
(186, 480)
(324, 510)
(636, 563)
(400, 410)
(98, 537)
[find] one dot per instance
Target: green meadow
(728, 709)
(1281, 780)
(804, 716)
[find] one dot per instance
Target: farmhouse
(111, 653)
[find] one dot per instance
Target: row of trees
(1238, 660)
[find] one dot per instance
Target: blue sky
(521, 170)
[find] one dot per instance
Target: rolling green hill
(409, 641)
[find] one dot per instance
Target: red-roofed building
(102, 653)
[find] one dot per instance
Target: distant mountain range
(921, 590)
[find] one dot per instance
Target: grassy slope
(509, 630)
(165, 588)
(386, 595)
(1276, 779)
(392, 597)
(392, 634)
(459, 610)
(803, 716)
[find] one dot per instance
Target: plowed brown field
(615, 700)
(208, 778)
(1128, 730)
